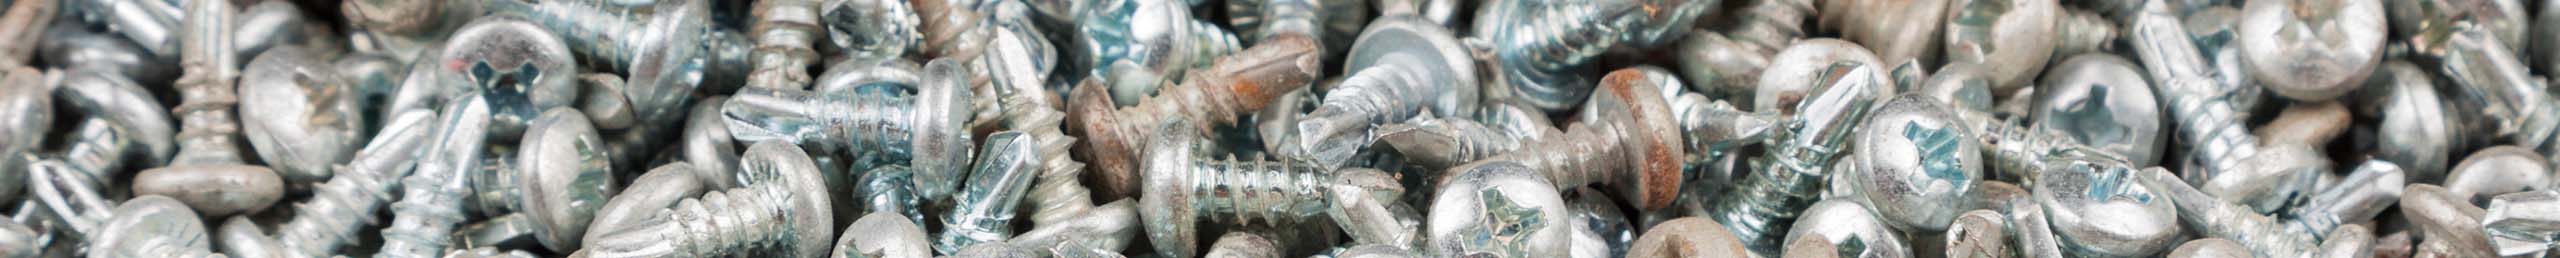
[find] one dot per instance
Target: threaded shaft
(2486, 69)
(1389, 91)
(1208, 41)
(784, 35)
(97, 149)
(983, 211)
(952, 31)
(1248, 191)
(1760, 207)
(876, 118)
(432, 198)
(864, 118)
(606, 35)
(1542, 55)
(1442, 142)
(1237, 84)
(890, 189)
(210, 132)
(1264, 19)
(2016, 153)
(2211, 126)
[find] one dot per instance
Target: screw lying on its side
(2416, 130)
(1139, 39)
(327, 221)
(2522, 224)
(1544, 46)
(1401, 67)
(663, 51)
(566, 177)
(1848, 226)
(1217, 96)
(432, 197)
(1842, 90)
(925, 128)
(299, 113)
(1182, 187)
(208, 174)
(2228, 161)
(782, 208)
(1625, 138)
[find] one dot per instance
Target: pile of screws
(1279, 128)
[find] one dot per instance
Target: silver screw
(2360, 196)
(432, 197)
(1687, 237)
(127, 127)
(1499, 209)
(1109, 227)
(882, 235)
(2010, 39)
(2278, 40)
(1599, 228)
(487, 252)
(984, 210)
(2498, 170)
(1543, 45)
(2102, 206)
(1440, 143)
(1843, 89)
(890, 189)
(784, 32)
(1330, 22)
(267, 25)
(782, 209)
(952, 28)
(210, 136)
(1849, 227)
(1184, 186)
(25, 26)
(363, 185)
(2211, 248)
(26, 106)
(394, 16)
(567, 176)
(663, 52)
(512, 231)
(1216, 96)
(1170, 44)
(2102, 101)
(2228, 160)
(925, 128)
(1401, 67)
(660, 188)
(2029, 229)
(300, 114)
(2218, 218)
(1241, 244)
(2416, 124)
(1625, 138)
(75, 47)
(519, 66)
(870, 29)
(2448, 222)
(1898, 30)
(1978, 234)
(2489, 75)
(1914, 157)
(150, 23)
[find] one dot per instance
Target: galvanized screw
(1842, 90)
(2448, 222)
(2100, 206)
(152, 24)
(2416, 129)
(1898, 30)
(1978, 234)
(74, 47)
(784, 33)
(2211, 248)
(209, 138)
(566, 176)
(1687, 237)
(870, 29)
(1913, 158)
(983, 210)
(299, 113)
(1846, 225)
(2102, 101)
(1543, 46)
(782, 208)
(663, 52)
(1401, 67)
(882, 235)
(2227, 159)
(1108, 227)
(2521, 224)
(1146, 39)
(432, 197)
(1498, 209)
(2010, 39)
(26, 106)
(1217, 96)
(2218, 218)
(660, 188)
(2311, 50)
(1183, 187)
(1625, 138)
(2499, 170)
(928, 123)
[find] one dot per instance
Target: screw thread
(1759, 208)
(210, 132)
(750, 221)
(872, 29)
(1056, 196)
(2210, 125)
(784, 38)
(1246, 81)
(607, 35)
(952, 31)
(1209, 41)
(863, 118)
(984, 210)
(493, 186)
(1439, 142)
(1542, 55)
(340, 207)
(890, 189)
(1247, 191)
(2015, 152)
(1587, 154)
(98, 148)
(1264, 19)
(431, 199)
(1715, 128)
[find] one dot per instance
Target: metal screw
(2520, 224)
(1500, 209)
(1237, 84)
(707, 145)
(660, 188)
(2321, 50)
(1625, 138)
(1961, 85)
(2215, 30)
(1109, 227)
(2229, 161)
(952, 28)
(1848, 226)
(2211, 248)
(2010, 39)
(75, 47)
(2448, 222)
(487, 252)
(1543, 45)
(209, 138)
(2489, 75)
(2102, 101)
(883, 235)
(1898, 30)
(126, 127)
(2099, 206)
(267, 25)
(1182, 187)
(1401, 67)
(2415, 124)
(1371, 219)
(432, 197)
(1599, 228)
(26, 105)
(1330, 22)
(327, 221)
(25, 26)
(984, 210)
(1240, 244)
(870, 29)
(784, 32)
(299, 114)
(1440, 143)
(1146, 38)
(1978, 234)
(1687, 237)
(781, 208)
(149, 23)
(512, 230)
(662, 52)
(2217, 218)
(394, 16)
(566, 176)
(2498, 170)
(1843, 89)
(928, 123)
(1913, 158)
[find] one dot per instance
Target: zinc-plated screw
(1440, 143)
(2499, 170)
(432, 197)
(2101, 100)
(2010, 39)
(1600, 230)
(74, 47)
(152, 24)
(1978, 234)
(926, 129)
(2447, 221)
(2489, 75)
(1109, 227)
(2211, 248)
(882, 235)
(1330, 22)
(983, 211)
(2523, 224)
(267, 25)
(2227, 160)
(1898, 30)
(1183, 187)
(1842, 90)
(2218, 218)
(25, 23)
(782, 209)
(665, 52)
(300, 114)
(870, 29)
(394, 16)
(522, 70)
(363, 185)
(2312, 50)
(1401, 67)
(126, 128)
(2101, 206)
(512, 230)
(890, 189)
(1217, 96)
(1543, 46)
(1848, 226)
(1687, 237)
(952, 28)
(1242, 244)
(1624, 138)
(784, 32)
(146, 226)
(1498, 209)
(2029, 230)
(1146, 39)
(1914, 157)
(660, 188)
(566, 177)
(2416, 129)
(210, 136)
(487, 252)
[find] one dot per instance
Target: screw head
(663, 69)
(1415, 38)
(299, 114)
(1961, 85)
(2011, 38)
(1917, 157)
(521, 69)
(2311, 50)
(2498, 170)
(1628, 103)
(885, 235)
(2212, 248)
(1498, 209)
(1688, 237)
(566, 176)
(1167, 206)
(214, 189)
(1110, 152)
(1849, 227)
(2101, 100)
(2098, 207)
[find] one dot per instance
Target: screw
(1401, 68)
(127, 127)
(2102, 101)
(511, 230)
(432, 196)
(1500, 209)
(1017, 62)
(2217, 218)
(1979, 234)
(2522, 224)
(211, 152)
(2215, 30)
(394, 16)
(1761, 204)
(781, 209)
(2100, 206)
(1541, 46)
(983, 211)
(2489, 75)
(889, 189)
(327, 222)
(487, 252)
(1600, 228)
(2029, 230)
(1182, 187)
(885, 235)
(1624, 138)
(149, 23)
(151, 226)
(2211, 248)
(1240, 244)
(1914, 157)
(26, 105)
(2415, 122)
(2362, 195)
(2229, 161)
(299, 114)
(925, 124)
(1371, 219)
(2347, 241)
(1237, 84)
(2446, 220)
(1712, 129)
(266, 25)
(870, 29)
(1170, 44)
(1440, 143)
(952, 28)
(1961, 85)
(522, 68)
(1687, 237)
(1329, 22)
(566, 177)
(660, 188)
(1899, 30)
(1109, 227)
(2322, 47)
(1848, 226)
(659, 50)
(2010, 39)
(783, 33)
(2498, 170)
(75, 47)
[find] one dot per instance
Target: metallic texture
(1843, 89)
(1913, 157)
(983, 210)
(2499, 170)
(210, 136)
(566, 177)
(1687, 237)
(882, 235)
(1625, 139)
(300, 114)
(1184, 187)
(1146, 39)
(1898, 30)
(1545, 47)
(2102, 101)
(1217, 96)
(784, 32)
(1848, 226)
(1401, 67)
(1978, 234)
(152, 24)
(664, 52)
(2416, 128)
(2448, 222)
(870, 29)
(781, 210)
(2312, 51)
(1240, 244)
(1498, 209)
(2214, 217)
(2102, 207)
(26, 105)
(2228, 161)
(431, 197)
(923, 128)
(331, 218)
(2010, 39)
